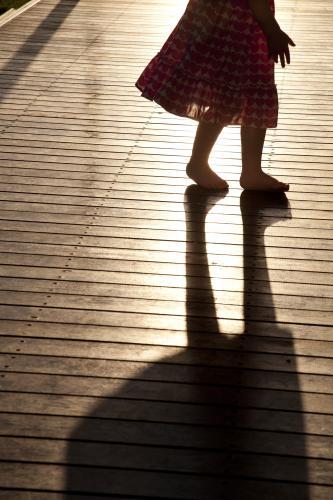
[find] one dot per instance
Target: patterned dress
(214, 67)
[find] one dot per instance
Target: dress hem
(199, 116)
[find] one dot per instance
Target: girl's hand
(278, 45)
(278, 41)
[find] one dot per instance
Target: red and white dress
(214, 67)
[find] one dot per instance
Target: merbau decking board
(82, 128)
(150, 349)
(64, 380)
(160, 435)
(146, 239)
(16, 202)
(307, 341)
(72, 297)
(108, 283)
(159, 314)
(102, 255)
(121, 370)
(129, 217)
(231, 224)
(313, 311)
(99, 204)
(144, 174)
(152, 245)
(170, 392)
(142, 182)
(144, 194)
(149, 147)
(146, 483)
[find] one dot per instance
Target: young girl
(217, 67)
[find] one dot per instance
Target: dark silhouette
(210, 422)
(34, 44)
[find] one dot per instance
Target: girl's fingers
(282, 60)
(279, 49)
(288, 55)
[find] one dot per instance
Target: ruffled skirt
(214, 67)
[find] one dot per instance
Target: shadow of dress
(210, 422)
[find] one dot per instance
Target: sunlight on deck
(157, 341)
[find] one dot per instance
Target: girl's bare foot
(204, 176)
(259, 181)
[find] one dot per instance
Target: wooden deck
(158, 342)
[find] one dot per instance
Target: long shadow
(212, 421)
(34, 44)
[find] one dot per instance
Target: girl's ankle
(253, 172)
(197, 161)
(197, 164)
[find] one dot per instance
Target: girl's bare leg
(198, 168)
(252, 176)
